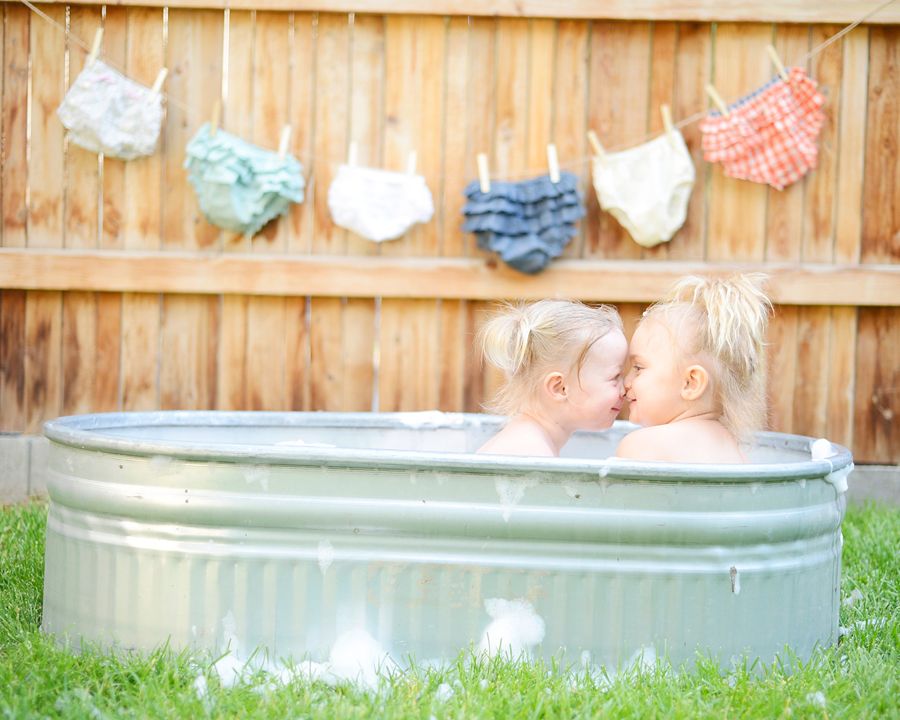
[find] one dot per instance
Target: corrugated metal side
(146, 549)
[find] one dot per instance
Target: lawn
(860, 678)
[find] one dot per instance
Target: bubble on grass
(852, 598)
(644, 658)
(230, 669)
(444, 692)
(358, 657)
(817, 698)
(483, 683)
(514, 630)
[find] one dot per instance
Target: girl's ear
(555, 386)
(696, 380)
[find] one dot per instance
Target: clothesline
(577, 163)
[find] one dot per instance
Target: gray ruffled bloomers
(526, 223)
(240, 186)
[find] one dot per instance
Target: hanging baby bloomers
(769, 136)
(240, 186)
(106, 112)
(647, 187)
(378, 204)
(526, 223)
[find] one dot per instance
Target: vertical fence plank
(881, 218)
(785, 209)
(332, 98)
(303, 115)
(112, 188)
(188, 342)
(12, 360)
(737, 208)
(238, 114)
(271, 89)
(266, 348)
(142, 219)
(189, 323)
(266, 340)
(570, 108)
(43, 359)
(818, 358)
(14, 116)
(787, 383)
(414, 65)
(821, 183)
(14, 215)
(877, 406)
(45, 216)
(848, 230)
(46, 172)
(231, 377)
(619, 110)
(82, 188)
(877, 431)
(459, 159)
(194, 58)
(662, 74)
(692, 73)
(539, 113)
(783, 234)
(81, 206)
(297, 375)
(239, 111)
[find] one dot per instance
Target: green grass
(857, 679)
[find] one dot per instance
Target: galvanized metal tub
(287, 530)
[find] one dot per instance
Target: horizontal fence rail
(831, 11)
(439, 278)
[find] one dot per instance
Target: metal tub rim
(81, 431)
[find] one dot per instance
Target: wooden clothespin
(351, 153)
(160, 79)
(717, 99)
(214, 121)
(95, 48)
(667, 124)
(666, 113)
(553, 163)
(595, 144)
(411, 163)
(484, 178)
(285, 140)
(776, 61)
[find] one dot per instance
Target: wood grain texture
(12, 360)
(14, 117)
(837, 11)
(112, 188)
(881, 211)
(876, 434)
(619, 107)
(454, 278)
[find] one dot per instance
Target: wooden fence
(116, 294)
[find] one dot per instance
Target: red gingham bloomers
(768, 136)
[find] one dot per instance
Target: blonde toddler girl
(563, 363)
(696, 380)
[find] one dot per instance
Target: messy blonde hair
(727, 319)
(527, 340)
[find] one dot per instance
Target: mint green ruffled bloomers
(240, 186)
